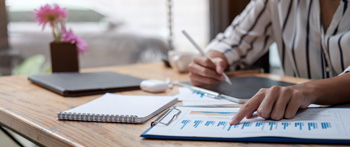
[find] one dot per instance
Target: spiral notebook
(119, 108)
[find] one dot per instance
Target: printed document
(313, 123)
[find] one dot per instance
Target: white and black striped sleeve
(347, 70)
(248, 37)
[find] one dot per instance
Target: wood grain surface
(32, 111)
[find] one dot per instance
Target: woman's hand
(284, 102)
(275, 103)
(206, 72)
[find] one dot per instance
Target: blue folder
(252, 139)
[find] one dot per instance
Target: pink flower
(46, 14)
(56, 17)
(69, 36)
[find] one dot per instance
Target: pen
(203, 53)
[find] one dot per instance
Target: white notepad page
(143, 107)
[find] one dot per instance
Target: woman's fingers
(293, 105)
(274, 103)
(249, 107)
(220, 65)
(205, 62)
(281, 103)
(204, 72)
(268, 102)
(198, 80)
(249, 115)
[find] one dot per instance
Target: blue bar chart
(246, 124)
(273, 125)
(209, 123)
(201, 94)
(260, 124)
(223, 124)
(263, 126)
(312, 125)
(185, 122)
(196, 123)
(285, 125)
(299, 124)
(325, 125)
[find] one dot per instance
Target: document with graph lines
(332, 125)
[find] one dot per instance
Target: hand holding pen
(207, 70)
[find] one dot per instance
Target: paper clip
(161, 117)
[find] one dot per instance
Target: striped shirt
(305, 49)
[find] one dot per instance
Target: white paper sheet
(314, 105)
(313, 123)
(115, 104)
(206, 103)
(190, 98)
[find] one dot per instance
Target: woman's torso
(304, 46)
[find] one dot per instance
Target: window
(102, 22)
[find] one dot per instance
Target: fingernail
(233, 121)
(222, 78)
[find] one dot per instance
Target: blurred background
(118, 32)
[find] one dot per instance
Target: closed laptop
(82, 84)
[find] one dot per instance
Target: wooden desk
(32, 112)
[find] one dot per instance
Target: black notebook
(81, 84)
(244, 87)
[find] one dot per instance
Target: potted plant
(65, 48)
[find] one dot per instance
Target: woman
(314, 42)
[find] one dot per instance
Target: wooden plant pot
(64, 57)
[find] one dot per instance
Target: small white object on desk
(154, 86)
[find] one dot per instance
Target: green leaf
(32, 65)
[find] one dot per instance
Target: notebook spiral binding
(97, 117)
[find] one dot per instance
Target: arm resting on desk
(284, 102)
(331, 91)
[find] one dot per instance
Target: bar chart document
(313, 125)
